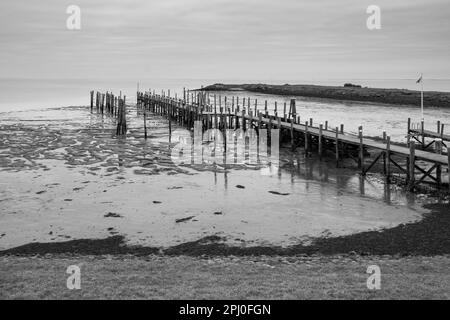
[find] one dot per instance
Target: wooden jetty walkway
(420, 165)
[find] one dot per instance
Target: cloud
(224, 39)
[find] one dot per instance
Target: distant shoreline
(351, 93)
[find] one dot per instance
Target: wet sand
(68, 185)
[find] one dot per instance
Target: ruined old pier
(415, 161)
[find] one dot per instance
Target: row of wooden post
(107, 103)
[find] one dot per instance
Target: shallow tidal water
(64, 175)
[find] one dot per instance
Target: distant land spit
(347, 92)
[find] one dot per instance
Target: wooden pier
(420, 165)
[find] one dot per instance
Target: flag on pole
(421, 95)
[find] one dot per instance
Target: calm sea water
(23, 94)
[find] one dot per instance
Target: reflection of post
(275, 147)
(362, 185)
(387, 193)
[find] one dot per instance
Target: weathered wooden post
(337, 147)
(92, 100)
(292, 134)
(361, 149)
(293, 109)
(170, 117)
(388, 159)
(412, 164)
(145, 119)
(103, 102)
(408, 132)
(306, 139)
(448, 160)
(122, 120)
(422, 129)
(439, 148)
(320, 141)
(259, 122)
(342, 128)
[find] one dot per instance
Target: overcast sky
(225, 39)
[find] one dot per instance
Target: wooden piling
(448, 156)
(292, 134)
(388, 159)
(439, 147)
(337, 147)
(92, 100)
(306, 139)
(422, 129)
(361, 149)
(320, 140)
(412, 164)
(408, 132)
(122, 120)
(145, 121)
(292, 109)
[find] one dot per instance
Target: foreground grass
(162, 277)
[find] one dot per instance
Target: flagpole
(421, 97)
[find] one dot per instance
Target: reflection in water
(324, 173)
